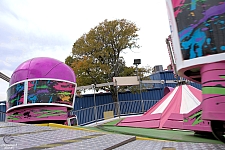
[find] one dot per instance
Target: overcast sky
(33, 28)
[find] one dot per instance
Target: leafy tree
(96, 55)
(142, 72)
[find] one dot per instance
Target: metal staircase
(4, 77)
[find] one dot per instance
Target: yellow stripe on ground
(68, 127)
(49, 145)
(55, 125)
(44, 124)
(72, 141)
(144, 138)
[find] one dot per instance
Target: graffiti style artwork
(193, 121)
(37, 113)
(195, 118)
(201, 27)
(15, 95)
(50, 91)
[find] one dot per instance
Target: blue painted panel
(3, 107)
(102, 99)
(155, 76)
(168, 75)
(158, 85)
(196, 85)
(2, 110)
(86, 101)
(154, 94)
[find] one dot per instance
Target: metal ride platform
(33, 137)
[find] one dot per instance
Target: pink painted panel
(142, 118)
(173, 124)
(27, 114)
(213, 88)
(173, 107)
(208, 96)
(213, 75)
(212, 66)
(178, 117)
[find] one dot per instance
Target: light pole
(138, 62)
(95, 110)
(118, 103)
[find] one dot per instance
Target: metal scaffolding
(4, 77)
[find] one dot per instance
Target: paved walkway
(57, 137)
(31, 137)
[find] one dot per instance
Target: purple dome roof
(167, 90)
(42, 67)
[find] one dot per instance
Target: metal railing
(4, 77)
(116, 109)
(122, 108)
(2, 116)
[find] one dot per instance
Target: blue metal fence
(2, 111)
(123, 108)
(87, 101)
(83, 105)
(168, 75)
(2, 106)
(2, 116)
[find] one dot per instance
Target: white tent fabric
(179, 101)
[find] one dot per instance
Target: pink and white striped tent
(168, 112)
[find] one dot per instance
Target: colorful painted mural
(37, 114)
(193, 121)
(16, 95)
(201, 26)
(195, 118)
(50, 91)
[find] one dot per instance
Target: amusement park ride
(42, 90)
(198, 43)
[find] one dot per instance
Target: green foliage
(143, 73)
(96, 55)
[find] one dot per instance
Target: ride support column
(213, 91)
